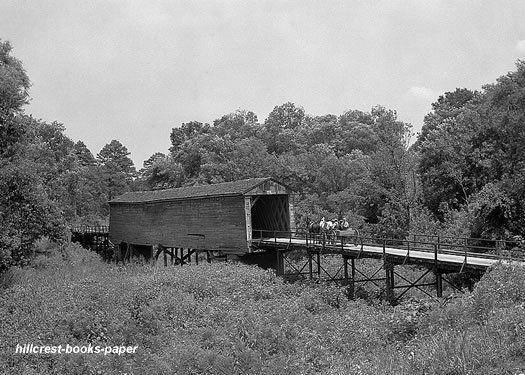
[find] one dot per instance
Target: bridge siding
(220, 219)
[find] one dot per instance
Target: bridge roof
(239, 187)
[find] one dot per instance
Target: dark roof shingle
(225, 188)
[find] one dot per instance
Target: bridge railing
(463, 246)
(90, 229)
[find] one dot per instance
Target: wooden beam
(255, 200)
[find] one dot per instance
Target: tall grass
(236, 319)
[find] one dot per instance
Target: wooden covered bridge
(218, 218)
(254, 219)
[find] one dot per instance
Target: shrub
(238, 319)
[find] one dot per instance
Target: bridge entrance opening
(270, 213)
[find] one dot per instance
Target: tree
(392, 173)
(354, 132)
(448, 106)
(472, 155)
(26, 213)
(14, 86)
(280, 126)
(240, 124)
(84, 156)
(14, 82)
(117, 168)
(162, 172)
(186, 132)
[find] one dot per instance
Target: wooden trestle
(96, 238)
(299, 255)
(440, 258)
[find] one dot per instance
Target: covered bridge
(219, 217)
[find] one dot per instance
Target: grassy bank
(236, 319)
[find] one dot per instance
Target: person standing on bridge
(344, 224)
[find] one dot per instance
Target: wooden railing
(90, 229)
(462, 246)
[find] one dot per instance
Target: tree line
(464, 174)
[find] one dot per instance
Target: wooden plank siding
(214, 223)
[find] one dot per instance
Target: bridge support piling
(439, 283)
(352, 294)
(349, 282)
(345, 267)
(279, 268)
(310, 265)
(319, 265)
(389, 281)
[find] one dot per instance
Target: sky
(133, 70)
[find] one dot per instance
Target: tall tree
(393, 172)
(187, 131)
(117, 168)
(83, 154)
(14, 86)
(472, 148)
(240, 124)
(280, 126)
(26, 210)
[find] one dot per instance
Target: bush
(238, 319)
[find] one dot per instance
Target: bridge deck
(444, 258)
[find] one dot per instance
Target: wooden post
(439, 284)
(197, 257)
(208, 258)
(164, 250)
(280, 263)
(349, 283)
(319, 264)
(353, 279)
(435, 256)
(389, 281)
(345, 268)
(310, 268)
(172, 256)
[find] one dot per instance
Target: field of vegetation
(228, 318)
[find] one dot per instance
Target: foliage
(26, 213)
(14, 85)
(231, 318)
(472, 155)
(46, 179)
(116, 167)
(463, 176)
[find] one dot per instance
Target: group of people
(334, 224)
(332, 230)
(325, 226)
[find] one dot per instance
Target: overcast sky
(133, 70)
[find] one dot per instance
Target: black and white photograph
(262, 187)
